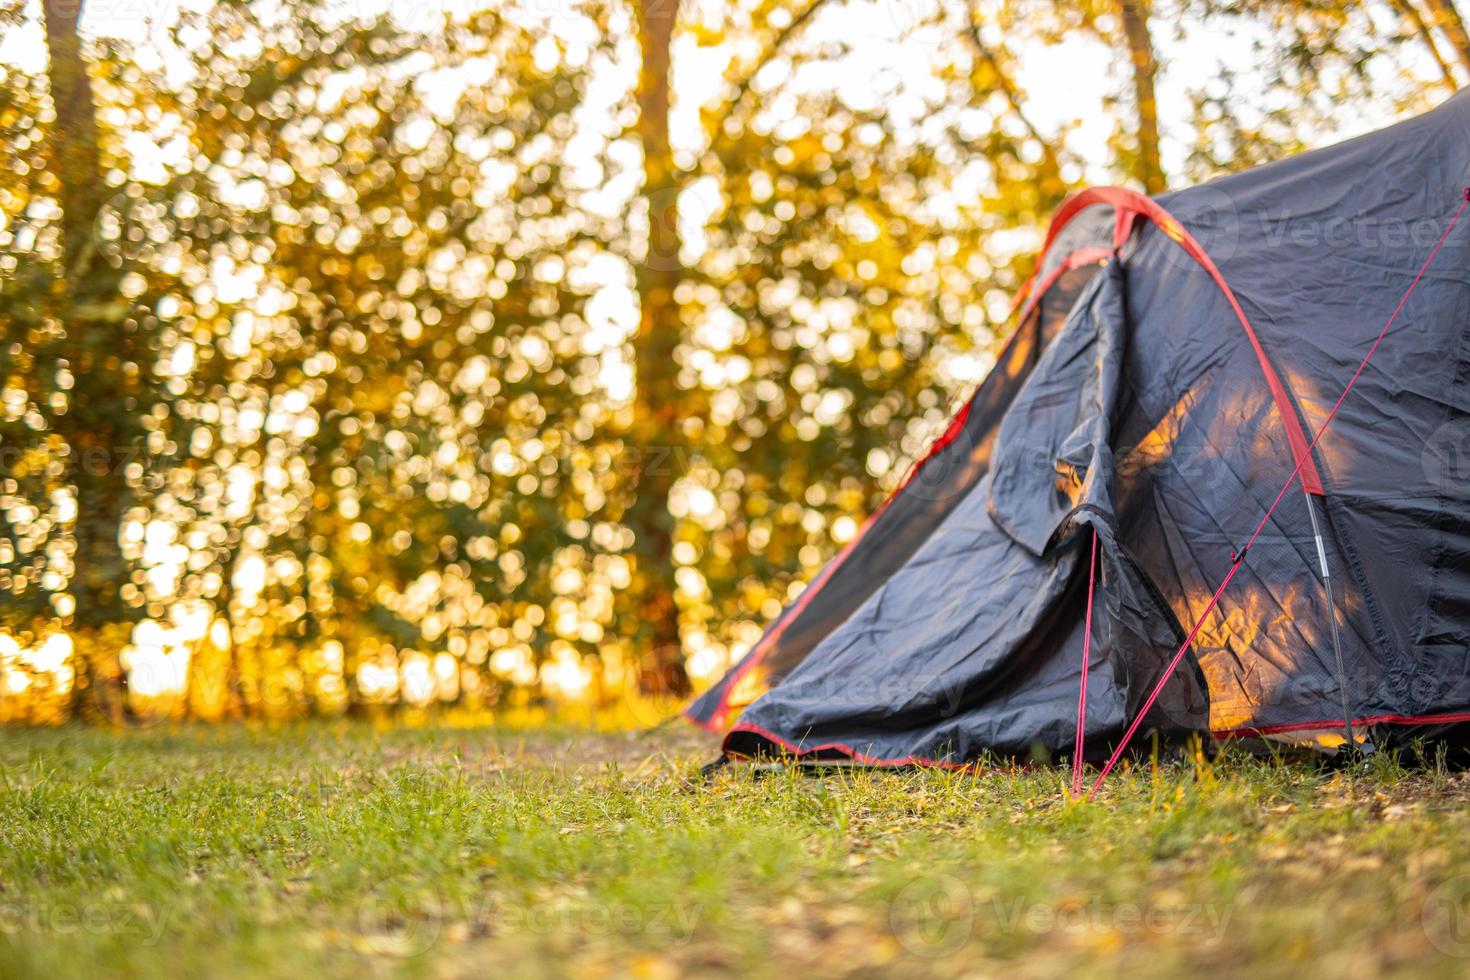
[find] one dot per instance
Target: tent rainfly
(1218, 484)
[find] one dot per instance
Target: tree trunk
(93, 354)
(1149, 169)
(76, 155)
(657, 442)
(1411, 13)
(221, 686)
(1444, 15)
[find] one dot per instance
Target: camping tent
(1171, 370)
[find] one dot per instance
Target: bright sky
(892, 50)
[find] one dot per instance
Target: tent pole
(1347, 715)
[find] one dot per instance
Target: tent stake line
(1086, 657)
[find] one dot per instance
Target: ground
(346, 849)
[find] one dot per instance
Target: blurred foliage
(358, 321)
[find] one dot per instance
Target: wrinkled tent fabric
(1130, 403)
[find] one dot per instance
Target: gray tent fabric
(1130, 404)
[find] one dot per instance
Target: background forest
(422, 354)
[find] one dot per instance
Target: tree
(658, 443)
(1134, 16)
(103, 377)
(429, 448)
(1444, 15)
(1423, 29)
(840, 302)
(1320, 67)
(430, 383)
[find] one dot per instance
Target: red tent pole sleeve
(1128, 205)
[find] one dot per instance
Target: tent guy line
(1086, 658)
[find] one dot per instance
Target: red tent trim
(1336, 724)
(858, 756)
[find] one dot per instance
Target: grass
(333, 850)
